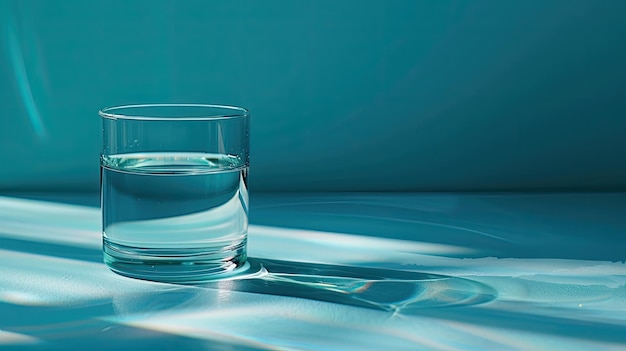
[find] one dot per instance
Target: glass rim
(110, 112)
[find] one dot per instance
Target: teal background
(345, 95)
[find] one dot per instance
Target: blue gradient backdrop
(345, 95)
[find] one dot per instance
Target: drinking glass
(174, 190)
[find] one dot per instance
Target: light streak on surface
(38, 280)
(49, 222)
(9, 338)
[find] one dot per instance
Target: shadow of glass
(389, 290)
(381, 289)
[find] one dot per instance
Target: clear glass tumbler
(174, 190)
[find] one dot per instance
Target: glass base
(180, 265)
